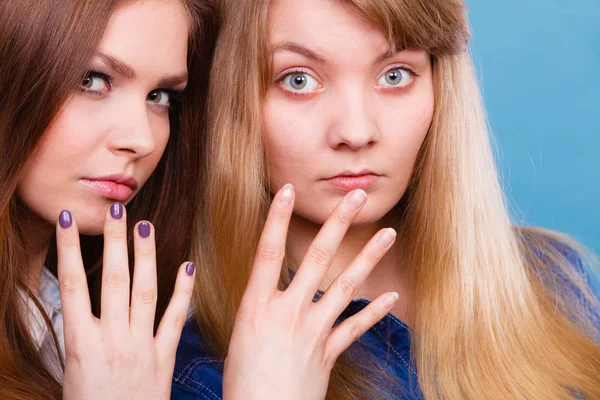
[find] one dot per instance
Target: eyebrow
(308, 53)
(129, 73)
(299, 49)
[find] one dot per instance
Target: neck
(38, 235)
(387, 276)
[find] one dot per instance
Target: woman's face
(111, 134)
(344, 111)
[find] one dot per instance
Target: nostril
(127, 150)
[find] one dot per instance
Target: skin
(344, 116)
(348, 117)
(123, 132)
(116, 127)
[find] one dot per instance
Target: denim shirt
(199, 376)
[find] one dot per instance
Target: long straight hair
(497, 311)
(45, 50)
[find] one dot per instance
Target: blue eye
(299, 82)
(396, 78)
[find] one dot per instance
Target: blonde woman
(377, 97)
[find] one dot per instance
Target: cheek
(405, 130)
(291, 141)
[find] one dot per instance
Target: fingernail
(357, 198)
(189, 269)
(390, 300)
(65, 220)
(287, 193)
(386, 238)
(116, 211)
(144, 229)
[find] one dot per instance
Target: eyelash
(280, 80)
(175, 97)
(95, 74)
(408, 69)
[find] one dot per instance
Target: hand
(283, 345)
(117, 356)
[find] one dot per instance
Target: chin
(371, 213)
(90, 220)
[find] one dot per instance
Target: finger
(343, 335)
(115, 271)
(322, 250)
(271, 247)
(74, 295)
(344, 288)
(144, 292)
(169, 329)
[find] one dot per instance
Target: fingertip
(389, 300)
(116, 211)
(286, 194)
(144, 229)
(190, 268)
(65, 219)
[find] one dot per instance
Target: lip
(352, 180)
(115, 187)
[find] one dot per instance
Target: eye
(396, 78)
(161, 98)
(96, 83)
(299, 82)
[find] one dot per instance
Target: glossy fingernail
(287, 193)
(189, 269)
(144, 229)
(390, 300)
(65, 220)
(116, 211)
(357, 198)
(386, 237)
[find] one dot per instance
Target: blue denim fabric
(199, 376)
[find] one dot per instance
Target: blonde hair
(497, 311)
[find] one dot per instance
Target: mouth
(352, 180)
(113, 187)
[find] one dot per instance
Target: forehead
(149, 35)
(327, 25)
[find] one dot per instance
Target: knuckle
(347, 286)
(354, 331)
(115, 235)
(68, 243)
(145, 250)
(281, 213)
(75, 352)
(320, 256)
(69, 285)
(372, 254)
(116, 279)
(145, 296)
(344, 216)
(270, 253)
(118, 358)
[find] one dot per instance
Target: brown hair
(484, 324)
(45, 48)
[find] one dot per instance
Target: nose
(132, 132)
(354, 125)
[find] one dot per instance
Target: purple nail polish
(65, 220)
(116, 211)
(189, 269)
(144, 229)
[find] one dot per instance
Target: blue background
(539, 68)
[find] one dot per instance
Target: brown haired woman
(90, 115)
(349, 99)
